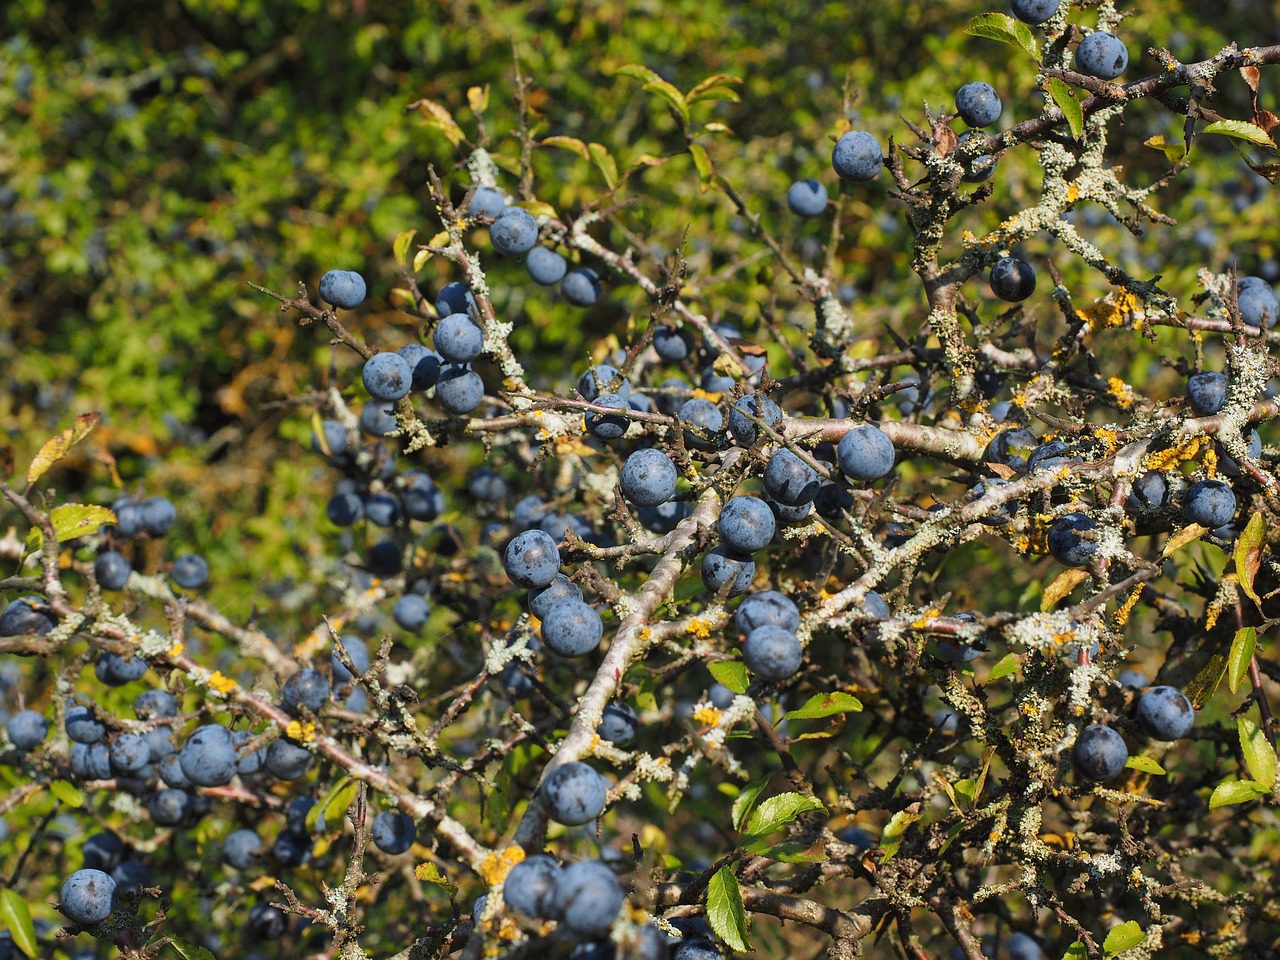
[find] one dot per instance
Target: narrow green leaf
(572, 144)
(747, 799)
(1006, 665)
(1173, 152)
(1200, 689)
(189, 951)
(1069, 105)
(999, 26)
(1076, 952)
(1235, 791)
(1241, 130)
(894, 831)
(319, 810)
(605, 163)
(66, 793)
(1145, 764)
(1240, 657)
(777, 812)
(788, 852)
(1123, 936)
(1248, 555)
(400, 246)
(702, 163)
(639, 71)
(951, 836)
(673, 97)
(15, 915)
(825, 705)
(1258, 753)
(731, 673)
(716, 87)
(336, 804)
(725, 912)
(73, 520)
(966, 789)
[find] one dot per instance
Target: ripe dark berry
(459, 389)
(790, 480)
(727, 574)
(672, 344)
(486, 202)
(560, 590)
(393, 831)
(531, 559)
(572, 628)
(242, 849)
(744, 429)
(807, 198)
(342, 288)
(1207, 392)
(458, 339)
(26, 615)
(1102, 55)
(514, 232)
(703, 422)
(190, 571)
(588, 897)
(1067, 545)
(617, 724)
(1034, 11)
(574, 793)
(865, 453)
(208, 758)
(767, 607)
(609, 426)
(87, 896)
(745, 525)
(1210, 503)
(1100, 753)
(387, 377)
(857, 157)
(530, 887)
(648, 478)
(111, 570)
(581, 286)
(82, 726)
(978, 104)
(287, 761)
(545, 266)
(1012, 279)
(307, 688)
(1166, 713)
(27, 729)
(1257, 301)
(772, 653)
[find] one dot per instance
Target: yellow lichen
(700, 628)
(707, 716)
(221, 683)
(498, 864)
(300, 732)
(1121, 392)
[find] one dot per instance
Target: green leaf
(605, 163)
(1248, 556)
(73, 520)
(438, 118)
(645, 699)
(825, 705)
(66, 793)
(15, 915)
(323, 809)
(1145, 764)
(1240, 657)
(189, 951)
(1258, 753)
(673, 97)
(1173, 152)
(716, 87)
(572, 144)
(1123, 936)
(731, 673)
(894, 830)
(951, 836)
(999, 26)
(1235, 791)
(400, 246)
(429, 873)
(777, 812)
(1069, 105)
(702, 162)
(1200, 689)
(1006, 665)
(725, 913)
(1241, 130)
(746, 800)
(966, 789)
(788, 852)
(638, 71)
(1076, 952)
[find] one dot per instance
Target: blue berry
(131, 876)
(609, 426)
(208, 758)
(87, 896)
(342, 288)
(865, 453)
(790, 480)
(696, 948)
(1227, 465)
(714, 382)
(978, 104)
(857, 157)
(545, 266)
(295, 815)
(112, 570)
(420, 497)
(242, 849)
(1209, 503)
(807, 198)
(335, 438)
(1100, 753)
(307, 688)
(857, 837)
(560, 590)
(772, 653)
(102, 851)
(664, 517)
(530, 887)
(455, 298)
(572, 628)
(377, 419)
(424, 363)
(617, 724)
(393, 832)
(581, 287)
(129, 753)
(648, 477)
(1166, 713)
(1067, 545)
(1034, 11)
(1207, 392)
(1257, 301)
(1050, 456)
(1102, 55)
(382, 509)
(976, 169)
(1012, 279)
(170, 806)
(27, 729)
(1011, 448)
(514, 232)
(387, 377)
(287, 761)
(459, 389)
(1150, 491)
(249, 763)
(703, 422)
(384, 559)
(1132, 679)
(588, 897)
(574, 793)
(170, 770)
(785, 513)
(90, 761)
(486, 202)
(155, 703)
(344, 509)
(411, 612)
(190, 571)
(82, 726)
(672, 344)
(115, 670)
(1020, 946)
(26, 615)
(727, 574)
(267, 922)
(458, 339)
(766, 608)
(357, 653)
(745, 525)
(531, 559)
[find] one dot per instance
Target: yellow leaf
(478, 98)
(56, 448)
(1061, 588)
(1180, 539)
(439, 118)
